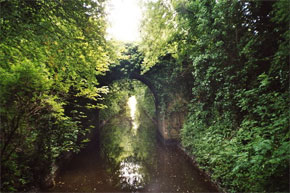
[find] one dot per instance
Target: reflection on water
(131, 174)
(132, 103)
(128, 146)
(130, 160)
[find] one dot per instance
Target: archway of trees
(224, 64)
(170, 94)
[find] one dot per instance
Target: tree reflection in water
(129, 148)
(131, 159)
(132, 103)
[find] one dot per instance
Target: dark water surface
(130, 160)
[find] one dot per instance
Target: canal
(127, 157)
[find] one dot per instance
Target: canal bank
(204, 173)
(191, 159)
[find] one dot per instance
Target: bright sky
(124, 17)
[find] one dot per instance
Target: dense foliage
(229, 60)
(50, 53)
(238, 53)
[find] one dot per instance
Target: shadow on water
(128, 160)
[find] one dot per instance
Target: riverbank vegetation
(50, 53)
(232, 58)
(238, 54)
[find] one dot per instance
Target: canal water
(127, 157)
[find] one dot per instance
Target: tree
(51, 53)
(236, 52)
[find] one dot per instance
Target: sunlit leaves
(158, 27)
(51, 52)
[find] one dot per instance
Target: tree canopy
(238, 55)
(51, 53)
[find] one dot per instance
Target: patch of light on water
(130, 174)
(132, 102)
